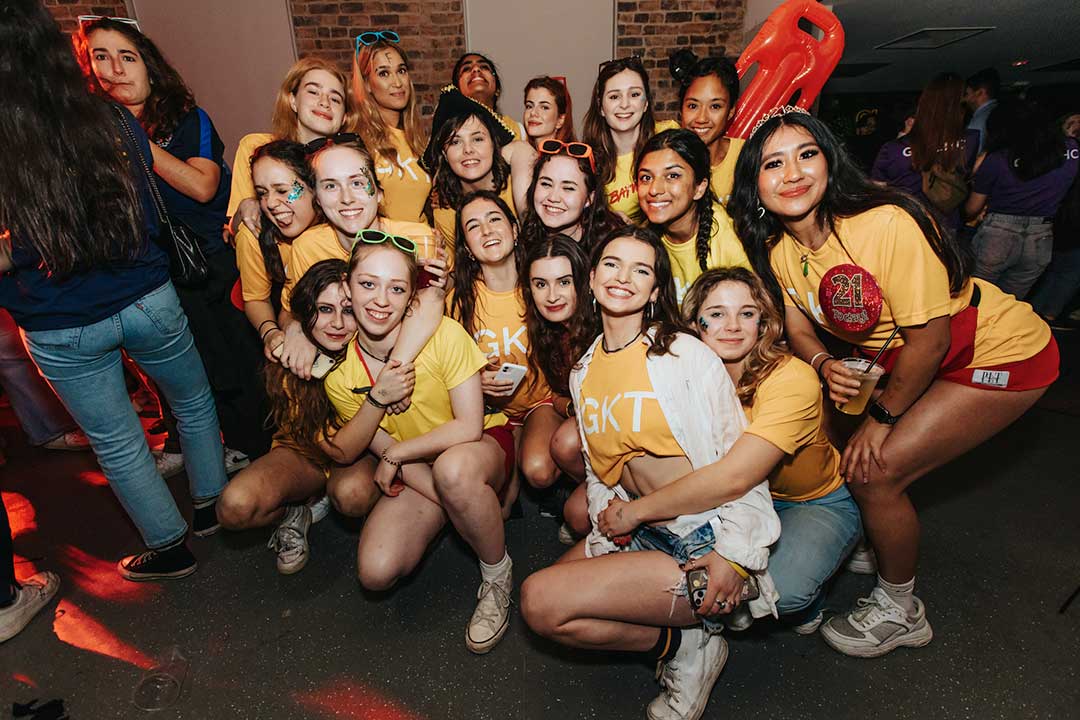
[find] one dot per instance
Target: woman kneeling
(653, 403)
(441, 459)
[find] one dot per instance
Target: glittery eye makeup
(295, 193)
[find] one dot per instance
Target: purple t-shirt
(1040, 196)
(893, 164)
(893, 167)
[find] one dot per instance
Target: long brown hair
(169, 100)
(770, 351)
(68, 190)
(937, 137)
(467, 268)
(596, 220)
(447, 190)
(596, 132)
(662, 318)
(370, 124)
(283, 120)
(300, 409)
(550, 352)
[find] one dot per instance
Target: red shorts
(504, 435)
(1037, 371)
(517, 421)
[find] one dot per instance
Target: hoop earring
(760, 212)
(650, 310)
(594, 304)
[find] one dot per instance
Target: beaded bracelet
(387, 460)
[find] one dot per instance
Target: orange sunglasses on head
(573, 149)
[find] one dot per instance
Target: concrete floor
(1001, 555)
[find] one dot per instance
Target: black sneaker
(166, 564)
(204, 520)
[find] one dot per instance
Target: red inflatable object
(788, 60)
(237, 295)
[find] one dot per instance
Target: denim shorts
(698, 543)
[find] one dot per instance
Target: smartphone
(513, 373)
(697, 583)
(323, 363)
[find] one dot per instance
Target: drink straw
(882, 350)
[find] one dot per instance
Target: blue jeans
(83, 364)
(815, 537)
(1060, 284)
(34, 403)
(694, 545)
(1012, 251)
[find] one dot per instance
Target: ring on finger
(723, 604)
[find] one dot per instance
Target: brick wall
(654, 29)
(67, 12)
(432, 34)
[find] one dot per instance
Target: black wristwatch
(882, 415)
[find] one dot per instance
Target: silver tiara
(776, 112)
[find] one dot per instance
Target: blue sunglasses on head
(373, 36)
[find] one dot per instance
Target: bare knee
(353, 497)
(539, 469)
(377, 570)
(566, 450)
(456, 480)
(238, 505)
(538, 608)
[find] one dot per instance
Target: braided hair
(693, 151)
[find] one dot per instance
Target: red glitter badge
(850, 298)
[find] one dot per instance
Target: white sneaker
(877, 626)
(319, 508)
(290, 539)
(235, 460)
(35, 593)
(810, 626)
(169, 464)
(688, 677)
(492, 615)
(862, 560)
(567, 536)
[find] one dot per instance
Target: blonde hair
(369, 122)
(283, 120)
(770, 351)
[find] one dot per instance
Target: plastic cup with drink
(867, 372)
(427, 248)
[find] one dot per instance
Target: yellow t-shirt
(620, 414)
(724, 250)
(254, 279)
(320, 242)
(787, 412)
(446, 220)
(243, 186)
(914, 287)
(449, 359)
(622, 190)
(405, 185)
(723, 175)
(502, 336)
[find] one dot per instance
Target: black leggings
(7, 560)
